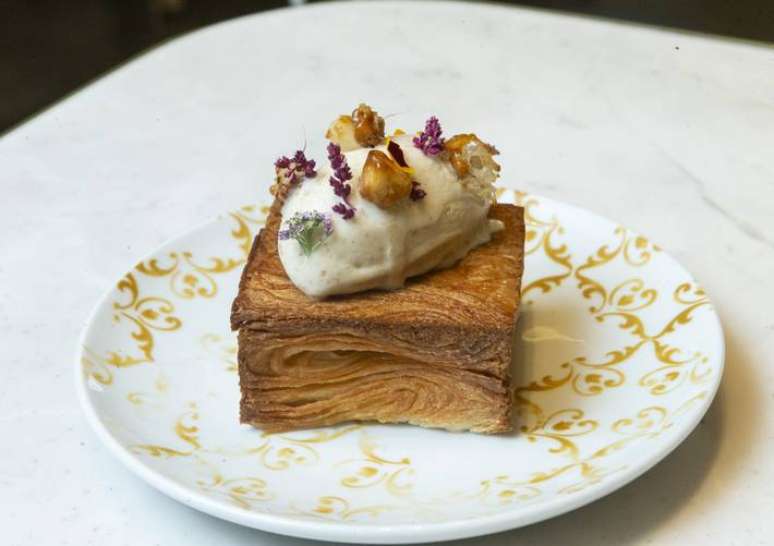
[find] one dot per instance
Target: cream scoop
(381, 246)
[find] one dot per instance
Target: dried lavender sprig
(338, 163)
(341, 173)
(430, 140)
(345, 210)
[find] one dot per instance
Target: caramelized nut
(460, 160)
(457, 142)
(383, 182)
(363, 128)
(369, 126)
(342, 132)
(460, 165)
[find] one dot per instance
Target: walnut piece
(342, 132)
(369, 126)
(473, 160)
(383, 182)
(466, 149)
(364, 128)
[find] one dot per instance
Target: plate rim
(403, 533)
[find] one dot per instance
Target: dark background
(49, 48)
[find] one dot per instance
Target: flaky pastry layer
(435, 353)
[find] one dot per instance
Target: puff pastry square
(435, 353)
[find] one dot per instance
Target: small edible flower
(296, 168)
(341, 174)
(309, 229)
(430, 140)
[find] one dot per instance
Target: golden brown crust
(442, 344)
(309, 381)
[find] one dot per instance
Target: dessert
(382, 288)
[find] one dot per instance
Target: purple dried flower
(293, 169)
(417, 193)
(341, 173)
(304, 164)
(430, 140)
(345, 210)
(309, 229)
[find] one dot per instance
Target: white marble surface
(672, 134)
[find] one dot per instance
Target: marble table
(668, 132)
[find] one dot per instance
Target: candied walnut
(342, 132)
(466, 150)
(458, 142)
(473, 160)
(364, 128)
(383, 182)
(369, 126)
(460, 165)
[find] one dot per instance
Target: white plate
(619, 355)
